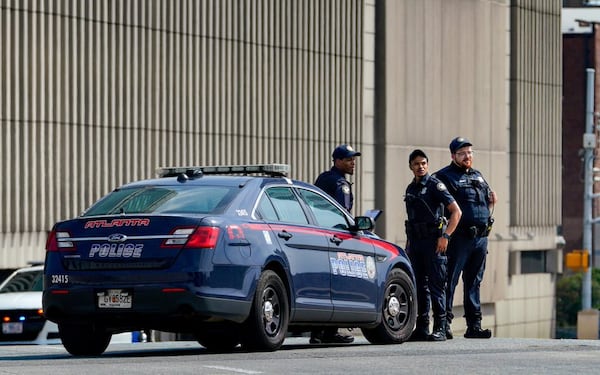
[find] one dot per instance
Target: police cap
(344, 151)
(459, 142)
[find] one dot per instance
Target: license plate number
(114, 299)
(12, 328)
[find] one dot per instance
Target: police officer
(334, 183)
(428, 235)
(468, 248)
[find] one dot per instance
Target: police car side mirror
(362, 223)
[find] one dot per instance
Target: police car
(233, 255)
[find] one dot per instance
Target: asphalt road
(458, 356)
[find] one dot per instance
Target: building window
(533, 261)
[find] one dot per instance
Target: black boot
(474, 331)
(421, 333)
(439, 330)
(449, 334)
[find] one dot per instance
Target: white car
(21, 313)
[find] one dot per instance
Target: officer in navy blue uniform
(467, 250)
(428, 233)
(334, 183)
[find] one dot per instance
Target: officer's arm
(491, 195)
(342, 195)
(455, 214)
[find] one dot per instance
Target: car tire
(266, 327)
(220, 338)
(399, 311)
(84, 339)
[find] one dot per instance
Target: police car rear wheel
(84, 339)
(267, 325)
(220, 338)
(399, 312)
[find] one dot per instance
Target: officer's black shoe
(449, 334)
(420, 334)
(335, 338)
(478, 333)
(438, 335)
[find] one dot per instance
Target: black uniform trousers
(466, 256)
(430, 274)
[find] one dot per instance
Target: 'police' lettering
(114, 250)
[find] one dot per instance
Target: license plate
(12, 328)
(115, 299)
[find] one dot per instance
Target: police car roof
(273, 170)
(235, 175)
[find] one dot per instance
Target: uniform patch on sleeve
(441, 186)
(346, 189)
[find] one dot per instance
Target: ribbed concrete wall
(94, 94)
(447, 74)
(488, 70)
(536, 113)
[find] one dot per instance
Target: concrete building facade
(96, 94)
(489, 71)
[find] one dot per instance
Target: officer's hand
(493, 197)
(442, 245)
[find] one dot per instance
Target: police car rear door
(306, 250)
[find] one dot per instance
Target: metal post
(589, 144)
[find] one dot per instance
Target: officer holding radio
(467, 250)
(428, 233)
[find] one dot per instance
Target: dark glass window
(164, 199)
(286, 204)
(326, 214)
(29, 281)
(533, 261)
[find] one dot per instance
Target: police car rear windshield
(164, 199)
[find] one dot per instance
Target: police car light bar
(273, 170)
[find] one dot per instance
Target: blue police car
(233, 255)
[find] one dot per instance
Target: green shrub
(568, 297)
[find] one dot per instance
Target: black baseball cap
(344, 151)
(459, 142)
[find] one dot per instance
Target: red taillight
(59, 291)
(203, 238)
(173, 290)
(59, 241)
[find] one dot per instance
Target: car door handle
(285, 235)
(336, 240)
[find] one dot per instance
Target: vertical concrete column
(587, 324)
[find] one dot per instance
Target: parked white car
(21, 313)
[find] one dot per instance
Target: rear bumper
(151, 308)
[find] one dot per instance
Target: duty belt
(420, 231)
(473, 231)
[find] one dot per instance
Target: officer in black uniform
(334, 183)
(428, 234)
(468, 248)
